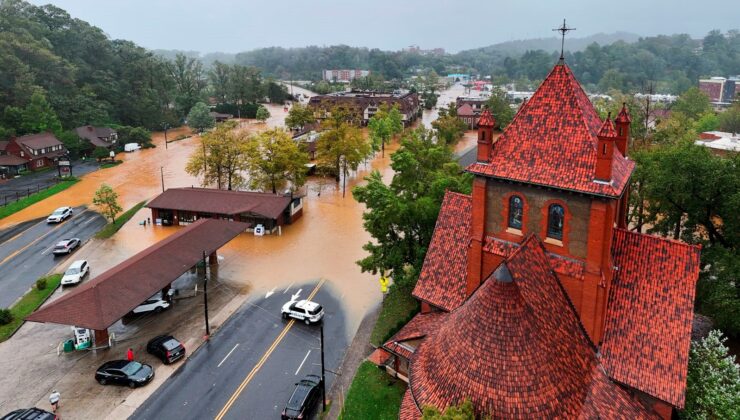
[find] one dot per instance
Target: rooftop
(720, 140)
(209, 200)
(39, 141)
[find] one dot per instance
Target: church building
(537, 300)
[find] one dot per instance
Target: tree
(462, 411)
(100, 153)
(729, 121)
(274, 161)
(499, 106)
(299, 116)
(693, 103)
(342, 148)
(189, 81)
(401, 216)
(200, 117)
(107, 200)
(448, 127)
(262, 114)
(38, 116)
(128, 134)
(383, 125)
(712, 382)
(709, 121)
(223, 158)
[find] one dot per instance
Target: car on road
(123, 372)
(305, 396)
(156, 303)
(76, 272)
(59, 215)
(66, 246)
(166, 347)
(305, 310)
(29, 414)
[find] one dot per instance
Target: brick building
(536, 301)
(40, 150)
(344, 76)
(363, 105)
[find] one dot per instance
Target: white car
(309, 312)
(59, 215)
(76, 272)
(155, 304)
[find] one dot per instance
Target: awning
(101, 302)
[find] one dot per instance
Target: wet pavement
(32, 181)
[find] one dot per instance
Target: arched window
(516, 209)
(555, 220)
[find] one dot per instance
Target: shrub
(41, 283)
(5, 316)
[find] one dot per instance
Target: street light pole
(161, 173)
(166, 126)
(323, 378)
(205, 294)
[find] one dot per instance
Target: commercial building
(183, 206)
(536, 300)
(363, 105)
(344, 76)
(720, 142)
(720, 90)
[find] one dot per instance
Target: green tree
(100, 153)
(262, 114)
(299, 116)
(275, 161)
(499, 106)
(693, 103)
(189, 81)
(384, 125)
(140, 135)
(712, 382)
(107, 200)
(342, 148)
(729, 121)
(38, 116)
(709, 121)
(223, 158)
(448, 127)
(462, 411)
(401, 216)
(200, 117)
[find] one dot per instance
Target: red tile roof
(486, 119)
(517, 349)
(552, 142)
(419, 326)
(559, 263)
(465, 110)
(409, 410)
(442, 279)
(650, 311)
(105, 299)
(209, 200)
(607, 129)
(624, 115)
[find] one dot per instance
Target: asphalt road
(26, 255)
(29, 182)
(249, 368)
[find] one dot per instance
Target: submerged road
(25, 252)
(249, 368)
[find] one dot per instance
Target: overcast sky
(241, 25)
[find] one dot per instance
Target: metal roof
(209, 200)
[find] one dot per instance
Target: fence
(17, 194)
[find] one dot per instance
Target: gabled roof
(517, 349)
(419, 326)
(100, 302)
(12, 160)
(442, 279)
(465, 111)
(95, 135)
(38, 141)
(486, 119)
(650, 312)
(552, 142)
(209, 200)
(607, 129)
(624, 114)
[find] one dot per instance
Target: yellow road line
(33, 242)
(264, 358)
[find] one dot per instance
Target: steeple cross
(563, 30)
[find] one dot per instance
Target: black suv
(29, 414)
(166, 347)
(307, 393)
(123, 372)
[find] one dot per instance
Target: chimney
(485, 136)
(623, 122)
(605, 150)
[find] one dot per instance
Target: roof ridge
(570, 79)
(657, 238)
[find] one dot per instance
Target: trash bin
(69, 346)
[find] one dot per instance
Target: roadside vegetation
(373, 395)
(36, 197)
(16, 314)
(398, 309)
(111, 228)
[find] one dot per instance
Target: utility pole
(205, 163)
(205, 294)
(161, 173)
(323, 378)
(166, 126)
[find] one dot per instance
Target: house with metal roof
(536, 300)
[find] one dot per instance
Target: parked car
(123, 372)
(303, 310)
(59, 215)
(166, 347)
(156, 303)
(76, 272)
(66, 246)
(29, 414)
(305, 396)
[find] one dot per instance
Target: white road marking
(295, 296)
(47, 250)
(227, 356)
(270, 293)
(304, 361)
(288, 288)
(88, 220)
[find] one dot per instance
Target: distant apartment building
(363, 105)
(344, 76)
(721, 90)
(416, 49)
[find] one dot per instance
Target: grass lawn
(35, 198)
(112, 228)
(398, 308)
(29, 303)
(107, 165)
(373, 395)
